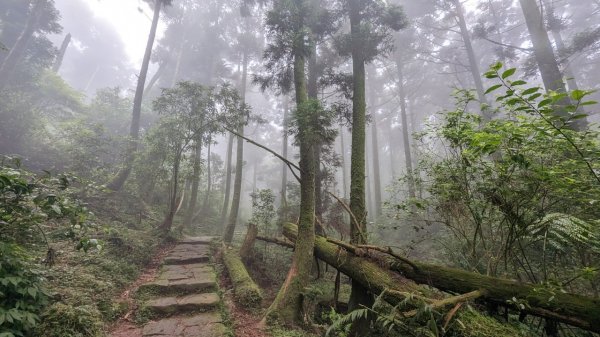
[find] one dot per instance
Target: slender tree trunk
(178, 62)
(473, 60)
(237, 185)
(287, 306)
(284, 168)
(16, 52)
(61, 53)
(359, 295)
(544, 55)
(227, 180)
(206, 206)
(343, 163)
(391, 151)
(313, 93)
(155, 77)
(405, 131)
(134, 132)
(168, 222)
(376, 169)
(197, 155)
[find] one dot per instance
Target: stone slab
(199, 240)
(190, 303)
(183, 279)
(201, 325)
(188, 254)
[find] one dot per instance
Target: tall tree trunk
(178, 61)
(227, 180)
(197, 156)
(376, 169)
(287, 306)
(313, 93)
(134, 132)
(155, 77)
(16, 52)
(61, 53)
(343, 163)
(284, 168)
(206, 206)
(405, 130)
(168, 222)
(473, 60)
(237, 185)
(359, 295)
(544, 55)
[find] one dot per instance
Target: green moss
(62, 320)
(470, 323)
(245, 291)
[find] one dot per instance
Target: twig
(291, 165)
(450, 301)
(347, 209)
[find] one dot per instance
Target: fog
(453, 132)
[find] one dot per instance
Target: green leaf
(492, 88)
(588, 103)
(577, 95)
(545, 102)
(519, 82)
(530, 91)
(508, 73)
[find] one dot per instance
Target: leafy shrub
(21, 295)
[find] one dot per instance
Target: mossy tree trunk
(284, 168)
(239, 163)
(134, 133)
(227, 193)
(405, 130)
(197, 155)
(168, 222)
(287, 306)
(562, 307)
(359, 295)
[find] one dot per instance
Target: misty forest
(290, 168)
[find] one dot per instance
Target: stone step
(185, 304)
(182, 280)
(199, 240)
(201, 325)
(188, 254)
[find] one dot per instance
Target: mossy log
(562, 307)
(245, 291)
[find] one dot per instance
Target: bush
(21, 295)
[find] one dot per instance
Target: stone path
(184, 294)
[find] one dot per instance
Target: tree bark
(359, 295)
(16, 52)
(168, 223)
(249, 239)
(134, 133)
(473, 60)
(206, 205)
(405, 130)
(376, 169)
(197, 155)
(227, 180)
(237, 185)
(61, 53)
(155, 77)
(284, 168)
(287, 306)
(546, 60)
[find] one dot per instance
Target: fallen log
(567, 308)
(245, 291)
(276, 241)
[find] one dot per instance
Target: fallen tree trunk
(567, 308)
(245, 291)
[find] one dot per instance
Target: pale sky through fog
(130, 24)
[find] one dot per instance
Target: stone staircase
(184, 294)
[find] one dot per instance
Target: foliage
(21, 294)
(62, 320)
(263, 209)
(518, 193)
